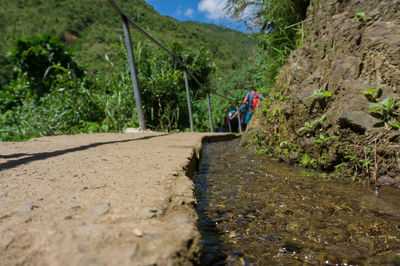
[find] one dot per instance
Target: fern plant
(321, 94)
(386, 110)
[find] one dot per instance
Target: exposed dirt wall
(319, 114)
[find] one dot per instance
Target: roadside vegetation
(51, 94)
(70, 74)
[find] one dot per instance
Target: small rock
(6, 238)
(151, 213)
(292, 248)
(75, 204)
(132, 130)
(180, 220)
(81, 248)
(137, 232)
(3, 193)
(29, 207)
(174, 173)
(384, 180)
(68, 217)
(98, 210)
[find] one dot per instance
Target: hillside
(228, 45)
(93, 29)
(336, 104)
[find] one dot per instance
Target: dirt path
(100, 199)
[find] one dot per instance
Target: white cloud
(189, 12)
(214, 9)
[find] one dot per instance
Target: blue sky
(208, 11)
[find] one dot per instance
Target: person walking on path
(252, 99)
(248, 107)
(243, 109)
(250, 103)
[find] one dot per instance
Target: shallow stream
(254, 210)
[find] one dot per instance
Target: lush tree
(40, 65)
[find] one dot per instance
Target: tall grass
(104, 102)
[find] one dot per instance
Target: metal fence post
(134, 78)
(210, 112)
(238, 116)
(188, 101)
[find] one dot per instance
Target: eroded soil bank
(336, 105)
(100, 199)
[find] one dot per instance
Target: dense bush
(51, 94)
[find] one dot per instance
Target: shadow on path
(44, 155)
(15, 155)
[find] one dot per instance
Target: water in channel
(255, 211)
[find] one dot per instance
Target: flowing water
(255, 211)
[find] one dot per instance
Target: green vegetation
(373, 94)
(385, 110)
(323, 141)
(45, 91)
(59, 97)
(320, 94)
(362, 17)
(312, 126)
(92, 29)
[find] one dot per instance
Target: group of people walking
(245, 112)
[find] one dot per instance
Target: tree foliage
(269, 19)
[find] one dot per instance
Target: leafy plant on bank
(310, 126)
(320, 94)
(388, 111)
(323, 141)
(373, 94)
(362, 17)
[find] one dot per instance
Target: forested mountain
(92, 29)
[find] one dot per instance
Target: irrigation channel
(256, 211)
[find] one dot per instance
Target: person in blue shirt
(248, 107)
(244, 108)
(252, 99)
(229, 123)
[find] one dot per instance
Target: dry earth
(100, 199)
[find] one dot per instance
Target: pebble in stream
(257, 211)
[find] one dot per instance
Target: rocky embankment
(337, 102)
